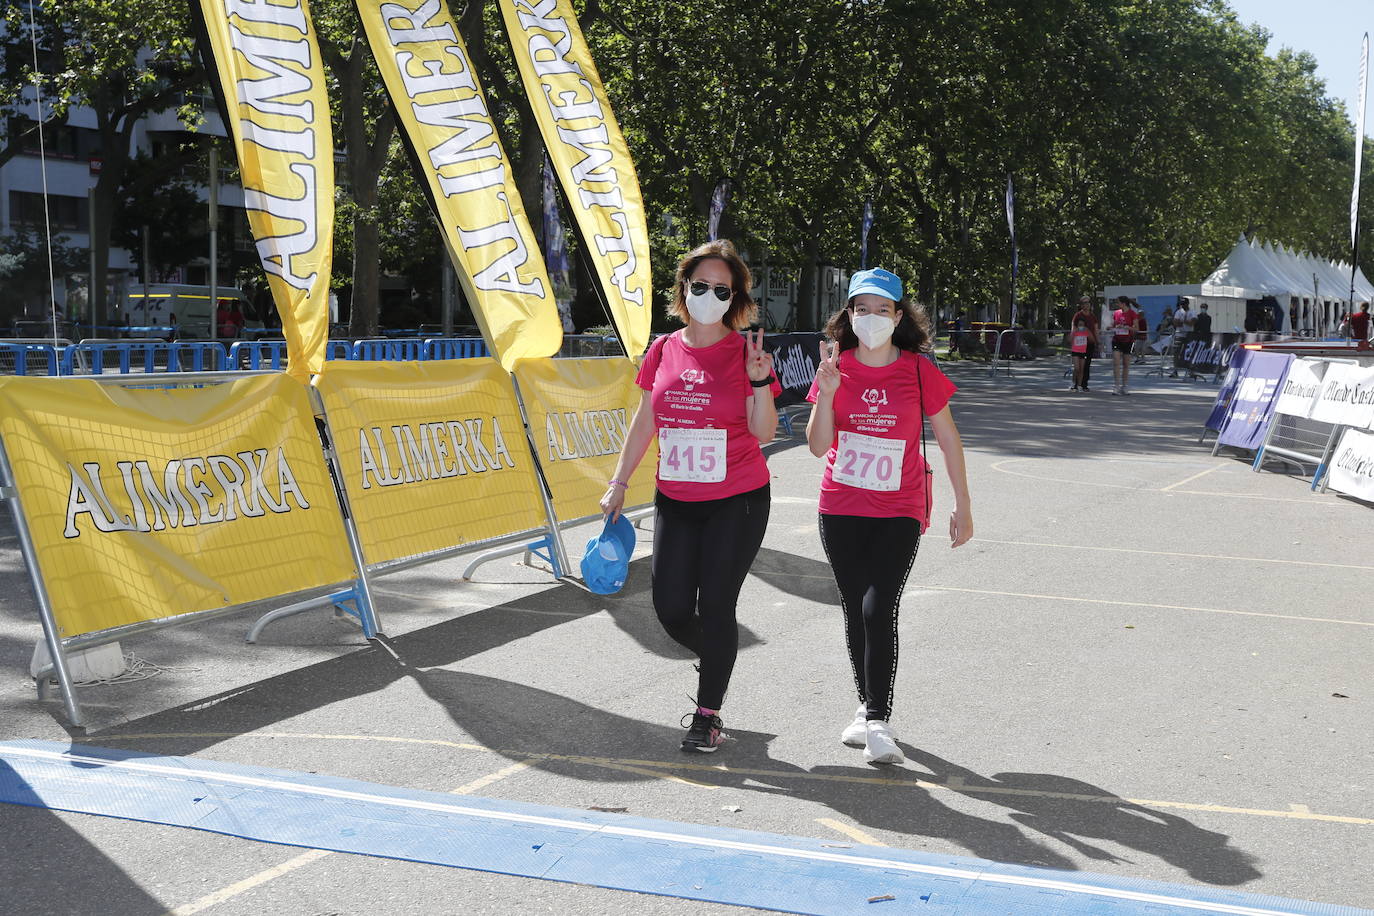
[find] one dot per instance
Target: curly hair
(913, 332)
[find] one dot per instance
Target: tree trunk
(115, 161)
(363, 168)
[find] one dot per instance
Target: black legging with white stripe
(871, 558)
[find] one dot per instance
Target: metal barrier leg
(1320, 473)
(9, 489)
(363, 607)
(299, 607)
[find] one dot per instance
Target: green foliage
(24, 277)
(1143, 137)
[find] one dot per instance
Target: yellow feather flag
(589, 154)
(270, 84)
(471, 186)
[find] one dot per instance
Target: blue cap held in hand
(607, 561)
(877, 281)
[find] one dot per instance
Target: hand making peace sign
(757, 362)
(828, 372)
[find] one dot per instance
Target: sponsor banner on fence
(1203, 356)
(589, 154)
(579, 412)
(1222, 405)
(1347, 396)
(1352, 466)
(270, 84)
(1253, 405)
(464, 171)
(795, 358)
(433, 454)
(1301, 388)
(150, 503)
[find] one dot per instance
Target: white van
(191, 306)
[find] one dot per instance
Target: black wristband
(761, 383)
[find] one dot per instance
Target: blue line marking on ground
(721, 865)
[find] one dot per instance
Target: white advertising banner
(1301, 388)
(1347, 397)
(1352, 466)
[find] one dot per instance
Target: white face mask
(872, 330)
(706, 308)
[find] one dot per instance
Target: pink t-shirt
(874, 467)
(705, 448)
(1123, 323)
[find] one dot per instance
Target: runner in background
(1359, 325)
(708, 396)
(1085, 314)
(873, 391)
(1081, 342)
(1142, 331)
(1123, 339)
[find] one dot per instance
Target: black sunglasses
(699, 288)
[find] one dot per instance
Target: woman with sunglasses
(873, 392)
(708, 397)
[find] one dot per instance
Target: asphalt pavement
(1150, 662)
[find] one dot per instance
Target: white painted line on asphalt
(1175, 486)
(1175, 553)
(854, 833)
(1144, 604)
(247, 884)
(1000, 466)
(679, 835)
(314, 855)
(953, 783)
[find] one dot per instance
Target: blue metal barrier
(28, 359)
(388, 350)
(455, 348)
(127, 356)
(258, 354)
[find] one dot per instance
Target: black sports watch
(761, 383)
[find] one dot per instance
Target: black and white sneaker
(704, 734)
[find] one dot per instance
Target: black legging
(702, 552)
(871, 558)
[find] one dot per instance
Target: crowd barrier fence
(377, 448)
(37, 357)
(122, 533)
(1323, 398)
(1007, 351)
(99, 357)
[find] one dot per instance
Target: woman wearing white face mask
(708, 397)
(873, 393)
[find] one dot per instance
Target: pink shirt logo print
(693, 377)
(875, 398)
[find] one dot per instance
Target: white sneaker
(855, 734)
(881, 746)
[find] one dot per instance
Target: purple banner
(1252, 407)
(1222, 406)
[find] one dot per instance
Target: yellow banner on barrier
(444, 118)
(270, 83)
(589, 154)
(579, 412)
(433, 454)
(150, 503)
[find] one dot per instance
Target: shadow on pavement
(516, 721)
(52, 868)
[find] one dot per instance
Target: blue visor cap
(877, 281)
(607, 560)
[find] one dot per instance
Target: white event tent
(1311, 292)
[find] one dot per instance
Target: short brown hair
(742, 308)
